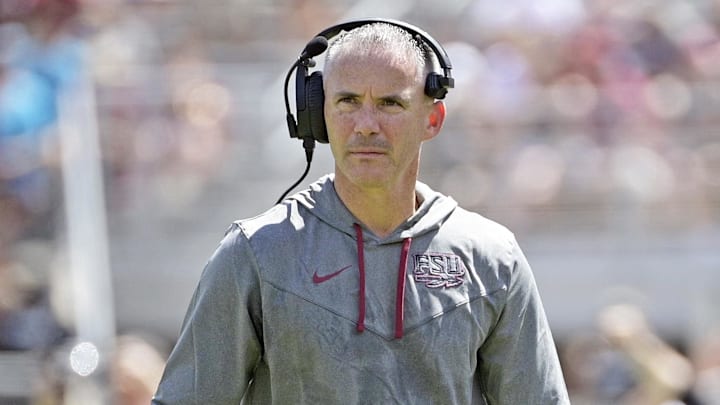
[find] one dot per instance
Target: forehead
(381, 67)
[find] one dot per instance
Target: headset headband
(309, 93)
(440, 53)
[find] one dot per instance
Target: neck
(380, 210)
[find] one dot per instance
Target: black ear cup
(310, 98)
(435, 86)
(316, 106)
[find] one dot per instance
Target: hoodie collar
(322, 201)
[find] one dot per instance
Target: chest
(435, 287)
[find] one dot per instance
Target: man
(368, 287)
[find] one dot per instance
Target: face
(377, 118)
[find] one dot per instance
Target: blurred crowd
(598, 109)
(623, 360)
(572, 114)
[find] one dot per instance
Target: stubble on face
(373, 110)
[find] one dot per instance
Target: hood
(322, 201)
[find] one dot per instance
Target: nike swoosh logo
(321, 279)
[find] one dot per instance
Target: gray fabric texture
(274, 317)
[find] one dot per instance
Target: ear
(435, 119)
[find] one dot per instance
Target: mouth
(367, 151)
(367, 154)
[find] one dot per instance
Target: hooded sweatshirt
(303, 305)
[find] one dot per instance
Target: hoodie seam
(390, 337)
(317, 304)
(458, 305)
(255, 264)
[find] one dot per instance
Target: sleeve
(518, 362)
(220, 341)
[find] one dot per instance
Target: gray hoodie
(301, 305)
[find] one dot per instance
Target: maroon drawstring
(361, 266)
(400, 294)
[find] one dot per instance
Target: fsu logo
(437, 270)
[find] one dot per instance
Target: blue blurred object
(35, 74)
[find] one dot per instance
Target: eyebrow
(344, 94)
(396, 98)
(390, 97)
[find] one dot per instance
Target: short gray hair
(368, 39)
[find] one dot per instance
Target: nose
(366, 121)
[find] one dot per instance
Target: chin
(369, 180)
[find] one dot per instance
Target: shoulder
(291, 215)
(246, 242)
(502, 252)
(491, 247)
(271, 238)
(481, 232)
(274, 222)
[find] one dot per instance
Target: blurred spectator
(596, 373)
(705, 354)
(27, 321)
(39, 58)
(660, 373)
(624, 362)
(135, 370)
(130, 374)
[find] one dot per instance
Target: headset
(310, 95)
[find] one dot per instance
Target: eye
(391, 104)
(347, 100)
